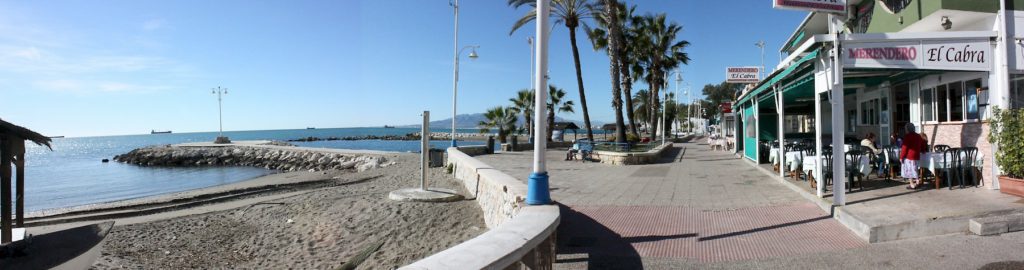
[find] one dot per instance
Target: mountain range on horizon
(471, 121)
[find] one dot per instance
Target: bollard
(515, 143)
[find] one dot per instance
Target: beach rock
(277, 159)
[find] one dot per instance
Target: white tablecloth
(793, 158)
(808, 165)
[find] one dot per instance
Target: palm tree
(502, 118)
(523, 104)
(613, 67)
(663, 54)
(599, 38)
(572, 13)
(641, 103)
(555, 96)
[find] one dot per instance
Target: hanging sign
(742, 74)
(835, 6)
(968, 54)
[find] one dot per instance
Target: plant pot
(1012, 186)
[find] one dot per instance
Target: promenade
(695, 207)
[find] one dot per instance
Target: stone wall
(529, 146)
(473, 150)
(629, 158)
(519, 236)
(274, 158)
(964, 135)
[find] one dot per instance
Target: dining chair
(950, 162)
(893, 162)
(939, 148)
(853, 163)
(826, 168)
(968, 156)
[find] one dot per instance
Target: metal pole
(455, 81)
(761, 44)
(424, 149)
(537, 186)
(664, 110)
(530, 131)
(220, 109)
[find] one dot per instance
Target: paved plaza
(708, 209)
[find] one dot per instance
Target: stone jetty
(407, 137)
(274, 158)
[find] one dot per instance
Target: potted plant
(1005, 128)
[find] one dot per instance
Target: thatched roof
(608, 127)
(6, 128)
(565, 125)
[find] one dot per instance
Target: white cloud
(153, 24)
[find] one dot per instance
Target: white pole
(838, 150)
(664, 110)
(220, 112)
(424, 149)
(455, 81)
(530, 132)
(537, 186)
(999, 96)
(781, 109)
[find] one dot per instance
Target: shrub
(632, 138)
(1005, 128)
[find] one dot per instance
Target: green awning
(777, 77)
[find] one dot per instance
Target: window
(863, 113)
(1016, 92)
(869, 112)
(971, 97)
(941, 97)
(956, 101)
(927, 105)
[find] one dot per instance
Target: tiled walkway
(698, 206)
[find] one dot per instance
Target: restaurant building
(939, 64)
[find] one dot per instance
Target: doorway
(901, 110)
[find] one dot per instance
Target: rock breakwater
(265, 157)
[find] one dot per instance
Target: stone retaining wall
(274, 158)
(628, 158)
(519, 236)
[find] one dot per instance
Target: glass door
(884, 116)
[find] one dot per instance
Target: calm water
(73, 175)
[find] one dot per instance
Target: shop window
(972, 104)
(941, 98)
(869, 112)
(956, 101)
(927, 105)
(1017, 92)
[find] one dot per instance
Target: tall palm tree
(664, 53)
(523, 104)
(573, 14)
(641, 101)
(610, 9)
(502, 118)
(555, 102)
(599, 38)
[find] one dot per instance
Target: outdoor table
(793, 158)
(809, 164)
(933, 162)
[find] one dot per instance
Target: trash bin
(490, 144)
(515, 143)
(436, 158)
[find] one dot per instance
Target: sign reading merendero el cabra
(742, 74)
(963, 54)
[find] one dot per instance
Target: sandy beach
(303, 220)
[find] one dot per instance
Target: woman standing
(910, 154)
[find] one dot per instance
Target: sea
(72, 174)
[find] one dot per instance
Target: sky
(93, 68)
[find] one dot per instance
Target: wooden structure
(564, 126)
(12, 150)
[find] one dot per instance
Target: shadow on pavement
(583, 239)
(761, 229)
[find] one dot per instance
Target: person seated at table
(910, 154)
(869, 143)
(894, 139)
(571, 154)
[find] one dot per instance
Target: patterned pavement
(697, 207)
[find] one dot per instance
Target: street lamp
(664, 110)
(455, 83)
(220, 114)
(679, 78)
(761, 44)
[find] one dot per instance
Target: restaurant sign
(967, 54)
(742, 74)
(836, 6)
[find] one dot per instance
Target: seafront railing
(519, 235)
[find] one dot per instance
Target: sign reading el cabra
(836, 6)
(967, 54)
(742, 74)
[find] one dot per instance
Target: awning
(779, 76)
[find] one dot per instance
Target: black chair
(893, 164)
(939, 148)
(968, 156)
(950, 159)
(853, 163)
(826, 169)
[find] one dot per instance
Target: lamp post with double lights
(458, 52)
(220, 92)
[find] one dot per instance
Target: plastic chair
(940, 148)
(826, 168)
(893, 163)
(853, 162)
(968, 156)
(951, 165)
